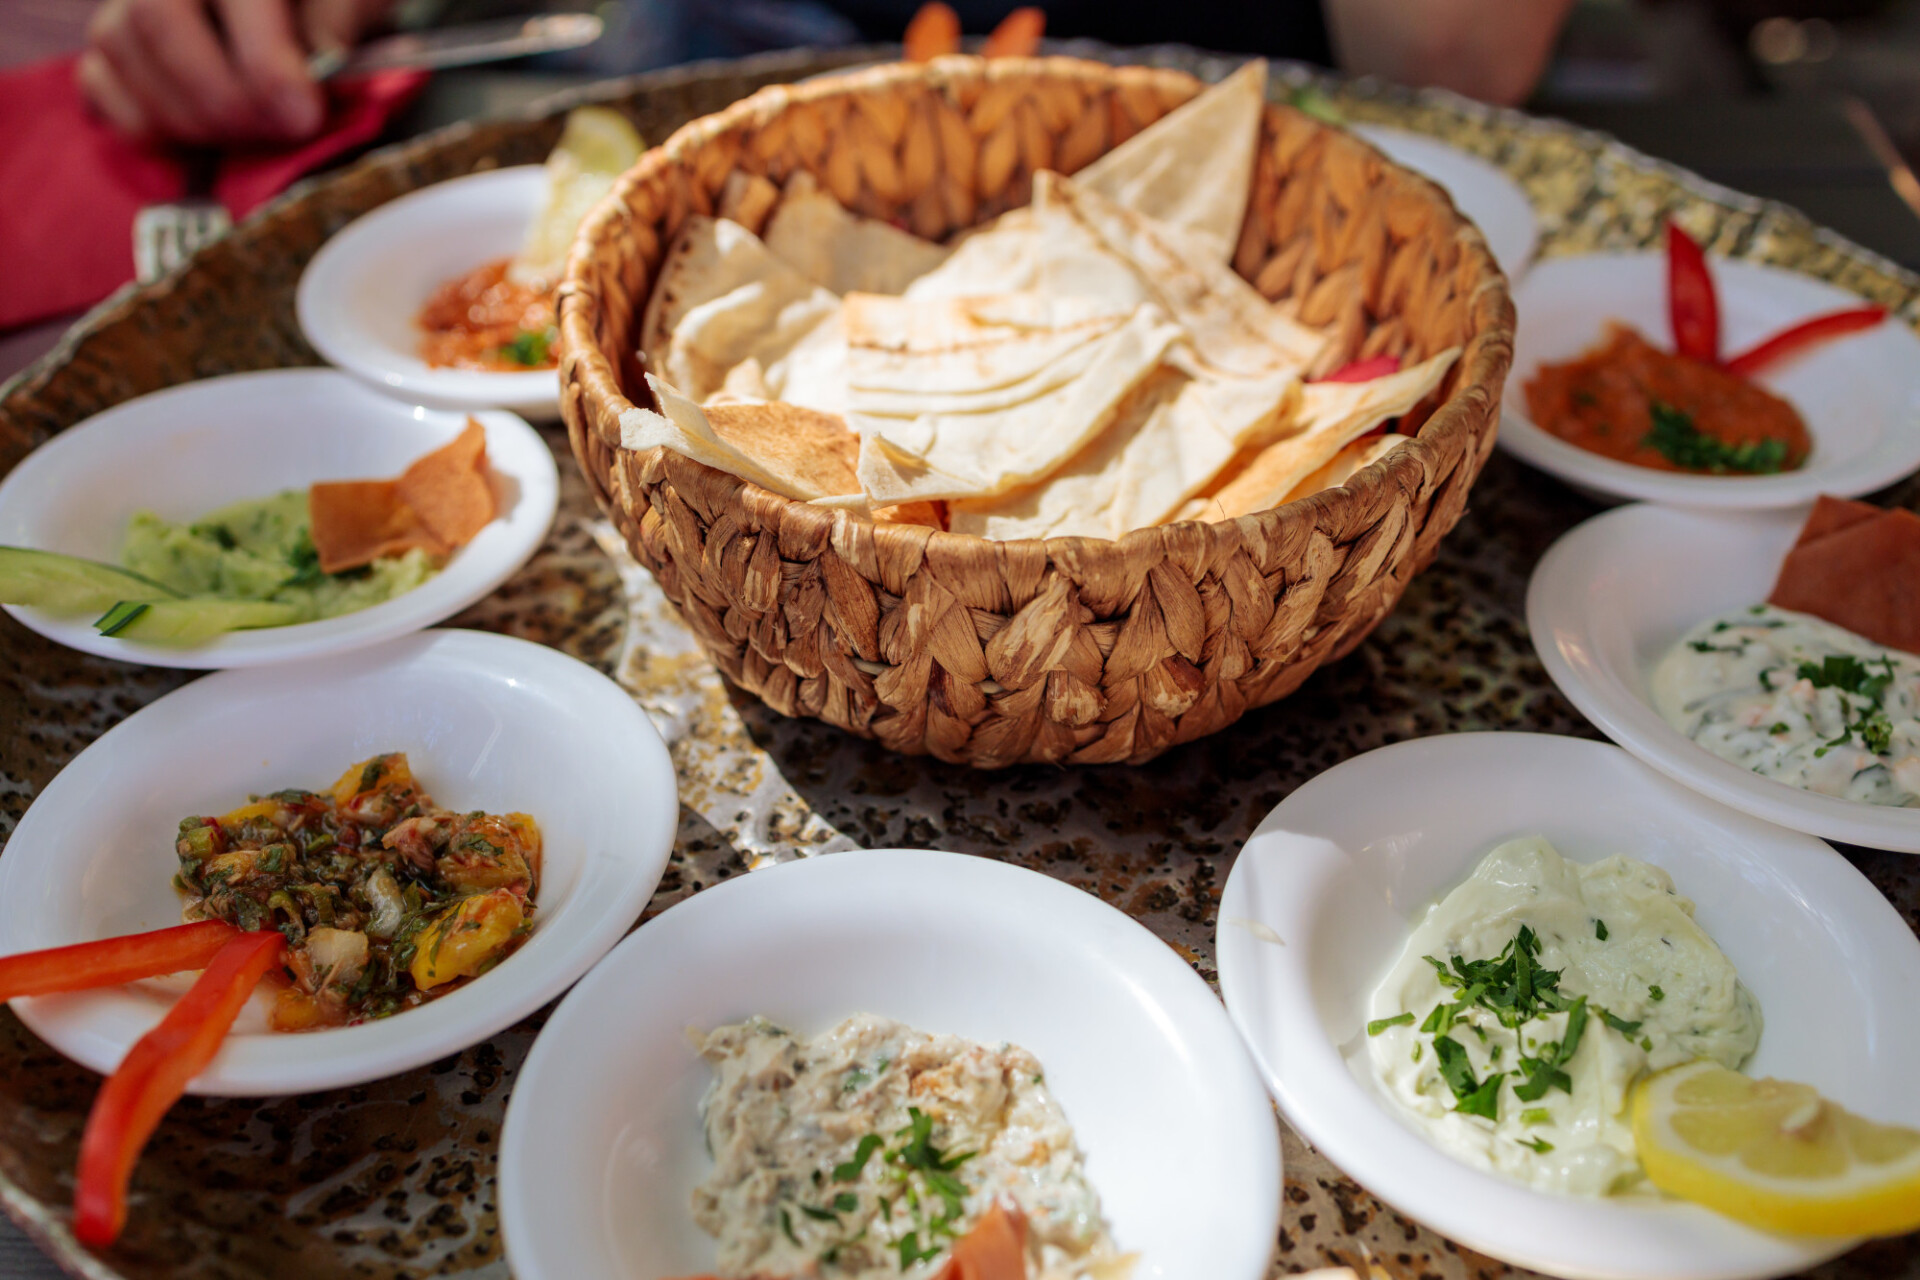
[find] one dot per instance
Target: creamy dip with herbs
(868, 1150)
(1530, 998)
(1798, 700)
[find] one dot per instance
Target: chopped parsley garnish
(786, 1225)
(1536, 1115)
(1539, 1145)
(1516, 989)
(1848, 674)
(1655, 994)
(851, 1169)
(1778, 726)
(529, 348)
(1674, 436)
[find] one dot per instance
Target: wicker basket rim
(1482, 364)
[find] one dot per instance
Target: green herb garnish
(529, 348)
(851, 1169)
(1655, 994)
(1539, 1145)
(1600, 930)
(1378, 1025)
(1674, 436)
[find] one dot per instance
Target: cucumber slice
(68, 585)
(191, 621)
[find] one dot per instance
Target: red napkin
(73, 185)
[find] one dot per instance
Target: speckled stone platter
(398, 1178)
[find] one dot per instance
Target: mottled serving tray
(398, 1178)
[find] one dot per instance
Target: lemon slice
(596, 146)
(1775, 1154)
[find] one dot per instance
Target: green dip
(261, 550)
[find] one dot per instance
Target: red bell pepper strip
(1693, 308)
(1794, 339)
(152, 1077)
(1364, 370)
(112, 961)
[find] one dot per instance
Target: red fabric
(72, 185)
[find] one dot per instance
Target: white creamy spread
(1799, 700)
(1623, 948)
(947, 1127)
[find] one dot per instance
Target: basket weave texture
(1076, 650)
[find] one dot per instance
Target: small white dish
(603, 1143)
(1859, 395)
(1490, 199)
(486, 722)
(359, 295)
(1613, 596)
(191, 449)
(1319, 904)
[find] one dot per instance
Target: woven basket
(1076, 650)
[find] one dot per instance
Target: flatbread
(1857, 567)
(811, 450)
(450, 489)
(355, 522)
(685, 428)
(1193, 167)
(1331, 416)
(1076, 243)
(723, 299)
(1173, 436)
(1346, 464)
(841, 251)
(937, 447)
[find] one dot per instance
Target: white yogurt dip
(868, 1149)
(1618, 980)
(1798, 700)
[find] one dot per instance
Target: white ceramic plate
(1860, 395)
(358, 297)
(191, 449)
(1319, 903)
(1609, 600)
(1490, 199)
(603, 1146)
(486, 722)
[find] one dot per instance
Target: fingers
(168, 56)
(272, 63)
(109, 97)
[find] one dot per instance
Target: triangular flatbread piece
(723, 299)
(1193, 167)
(1859, 574)
(685, 428)
(841, 251)
(1331, 416)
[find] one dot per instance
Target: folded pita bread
(927, 438)
(1857, 567)
(841, 251)
(1331, 416)
(1077, 243)
(724, 299)
(1347, 463)
(791, 451)
(1171, 438)
(1192, 168)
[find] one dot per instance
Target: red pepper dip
(483, 320)
(1627, 399)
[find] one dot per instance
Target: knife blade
(461, 46)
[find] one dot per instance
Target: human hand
(214, 71)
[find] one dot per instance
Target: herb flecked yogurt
(1530, 998)
(1798, 700)
(867, 1150)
